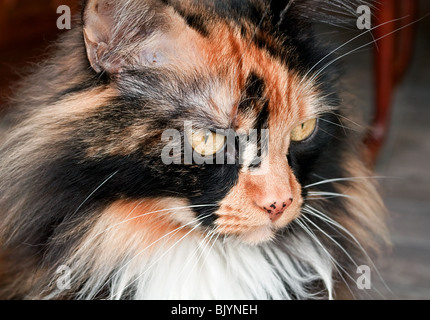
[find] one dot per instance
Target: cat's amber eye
(206, 142)
(304, 131)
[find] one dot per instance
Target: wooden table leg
(384, 73)
(392, 56)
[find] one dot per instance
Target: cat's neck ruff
(225, 269)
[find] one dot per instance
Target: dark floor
(404, 167)
(406, 157)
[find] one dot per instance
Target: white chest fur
(193, 269)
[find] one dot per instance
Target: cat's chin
(258, 236)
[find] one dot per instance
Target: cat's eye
(206, 142)
(304, 131)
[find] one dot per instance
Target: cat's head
(157, 120)
(221, 116)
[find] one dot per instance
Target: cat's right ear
(98, 18)
(125, 34)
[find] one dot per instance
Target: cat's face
(214, 88)
(163, 129)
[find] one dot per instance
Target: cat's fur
(82, 183)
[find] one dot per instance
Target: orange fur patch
(150, 220)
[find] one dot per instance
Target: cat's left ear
(122, 34)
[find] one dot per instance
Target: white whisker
(329, 195)
(169, 234)
(160, 257)
(345, 179)
(363, 46)
(201, 246)
(338, 125)
(302, 224)
(349, 41)
(329, 220)
(166, 211)
(95, 190)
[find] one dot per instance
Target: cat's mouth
(260, 229)
(258, 235)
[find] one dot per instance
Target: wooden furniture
(393, 52)
(27, 27)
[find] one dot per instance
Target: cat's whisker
(95, 190)
(168, 235)
(332, 225)
(161, 256)
(348, 42)
(166, 211)
(317, 74)
(339, 116)
(331, 135)
(329, 220)
(134, 209)
(329, 195)
(338, 125)
(201, 245)
(305, 228)
(341, 248)
(213, 234)
(344, 180)
(344, 251)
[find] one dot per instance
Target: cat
(91, 208)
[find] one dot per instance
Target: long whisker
(149, 213)
(337, 264)
(303, 225)
(162, 256)
(214, 241)
(329, 220)
(168, 235)
(338, 125)
(348, 42)
(95, 190)
(207, 240)
(339, 116)
(200, 247)
(345, 179)
(363, 46)
(337, 244)
(328, 195)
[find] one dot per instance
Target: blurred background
(388, 84)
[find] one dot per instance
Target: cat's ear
(122, 34)
(99, 32)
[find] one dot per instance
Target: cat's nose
(275, 207)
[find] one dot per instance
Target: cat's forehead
(245, 79)
(243, 68)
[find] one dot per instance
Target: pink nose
(275, 207)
